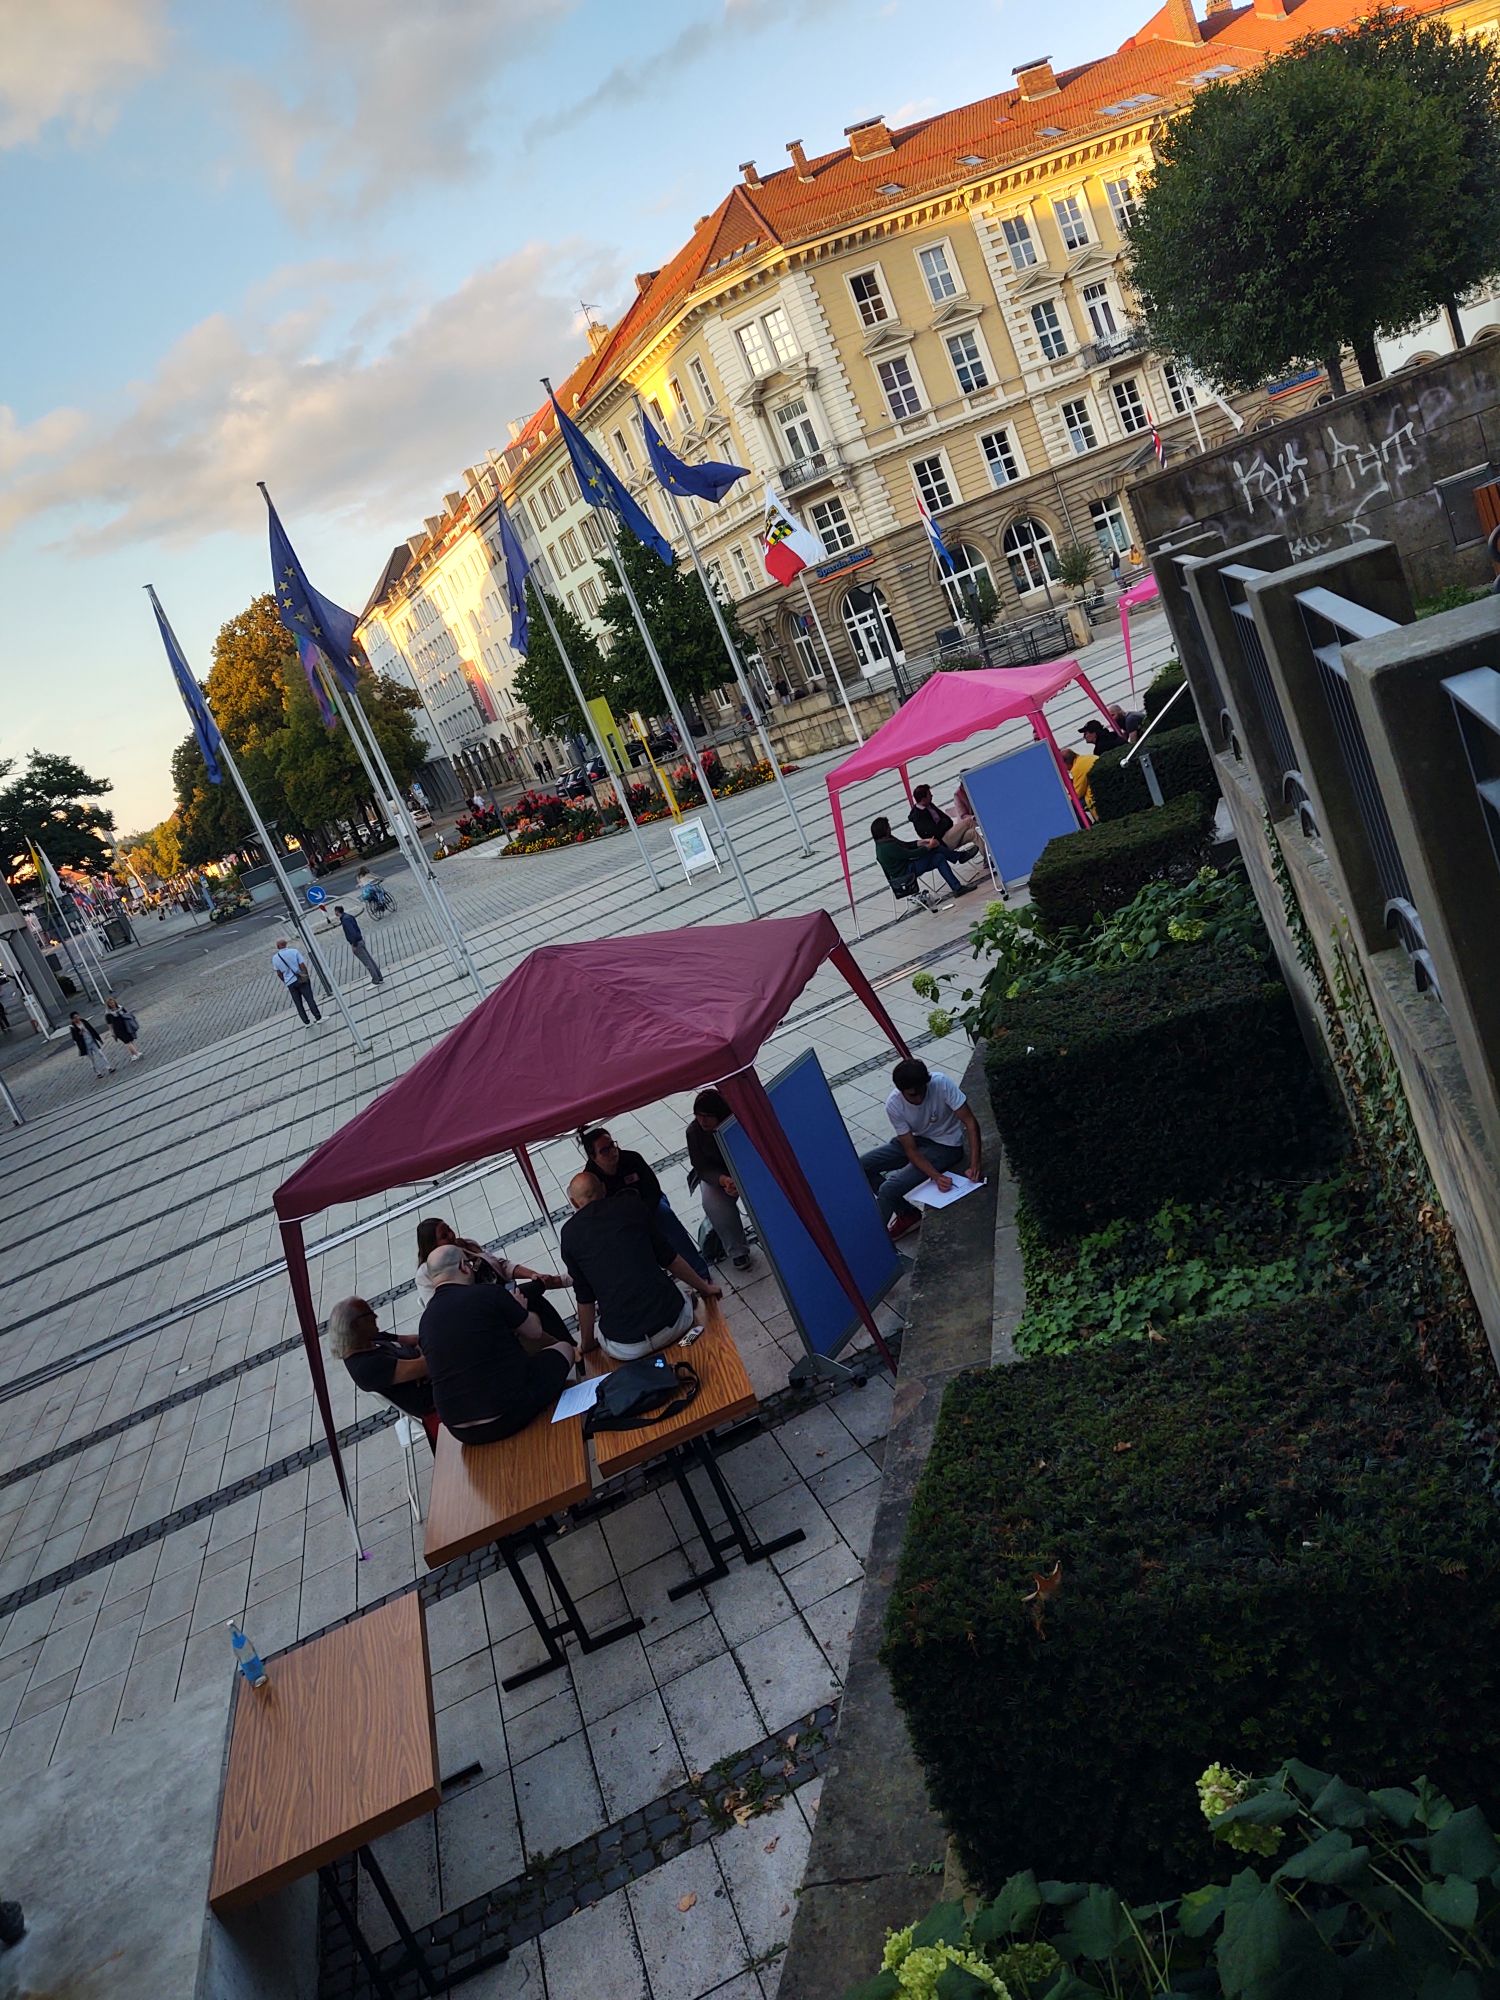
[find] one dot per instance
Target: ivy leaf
(1398, 1804)
(1058, 1895)
(1434, 1808)
(1342, 1804)
(956, 1982)
(944, 1923)
(1269, 1808)
(1452, 1901)
(1199, 1912)
(1098, 1925)
(1265, 1951)
(1012, 1910)
(1332, 1859)
(884, 1986)
(1464, 1845)
(1305, 1778)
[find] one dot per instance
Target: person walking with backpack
(355, 939)
(123, 1025)
(290, 968)
(88, 1042)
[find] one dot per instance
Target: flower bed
(540, 821)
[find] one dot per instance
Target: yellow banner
(609, 735)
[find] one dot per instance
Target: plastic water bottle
(249, 1662)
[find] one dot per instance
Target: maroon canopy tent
(580, 1033)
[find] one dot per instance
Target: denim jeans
(892, 1176)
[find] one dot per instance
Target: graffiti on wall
(1355, 475)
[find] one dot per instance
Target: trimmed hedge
(1083, 875)
(1164, 684)
(1180, 759)
(1169, 1076)
(1272, 1541)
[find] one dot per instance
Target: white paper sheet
(573, 1402)
(926, 1195)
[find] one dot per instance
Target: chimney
(1180, 23)
(752, 178)
(644, 280)
(1219, 7)
(597, 335)
(799, 159)
(869, 138)
(515, 427)
(1036, 79)
(1272, 10)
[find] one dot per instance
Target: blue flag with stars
(205, 729)
(307, 613)
(709, 481)
(311, 655)
(516, 570)
(601, 489)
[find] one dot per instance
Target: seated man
(903, 861)
(1079, 768)
(934, 1129)
(623, 1269)
(932, 823)
(484, 1383)
(384, 1363)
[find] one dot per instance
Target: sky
(333, 244)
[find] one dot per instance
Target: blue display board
(1021, 803)
(812, 1121)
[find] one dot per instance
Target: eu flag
(205, 729)
(709, 481)
(311, 655)
(516, 569)
(307, 613)
(602, 489)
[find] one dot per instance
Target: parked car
(421, 818)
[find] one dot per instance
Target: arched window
(969, 571)
(871, 628)
(1031, 553)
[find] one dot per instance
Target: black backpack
(632, 1396)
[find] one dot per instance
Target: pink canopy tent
(1138, 593)
(579, 1033)
(946, 709)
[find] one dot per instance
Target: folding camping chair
(910, 892)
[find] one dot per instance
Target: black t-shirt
(930, 821)
(374, 1368)
(478, 1367)
(617, 1258)
(705, 1154)
(631, 1176)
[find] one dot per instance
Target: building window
(1101, 313)
(799, 439)
(1072, 222)
(941, 283)
(1128, 402)
(1049, 331)
(968, 363)
(900, 387)
(872, 630)
(933, 482)
(593, 532)
(779, 327)
(622, 453)
(589, 593)
(571, 548)
(1000, 457)
(806, 647)
(1018, 242)
(869, 298)
(960, 583)
(754, 347)
(553, 499)
(832, 525)
(663, 428)
(705, 388)
(716, 580)
(569, 483)
(538, 512)
(1080, 425)
(679, 403)
(1121, 204)
(1183, 395)
(1110, 530)
(741, 568)
(1031, 554)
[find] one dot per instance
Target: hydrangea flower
(1220, 1788)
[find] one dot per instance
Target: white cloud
(71, 60)
(372, 432)
(396, 94)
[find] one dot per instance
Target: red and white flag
(787, 546)
(1158, 443)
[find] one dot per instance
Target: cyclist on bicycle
(371, 894)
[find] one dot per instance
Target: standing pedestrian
(356, 942)
(290, 968)
(88, 1041)
(123, 1025)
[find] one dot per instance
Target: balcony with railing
(811, 469)
(1107, 347)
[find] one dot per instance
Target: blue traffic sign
(316, 894)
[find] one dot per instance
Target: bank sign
(841, 565)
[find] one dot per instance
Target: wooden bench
(484, 1493)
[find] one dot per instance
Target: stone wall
(1396, 463)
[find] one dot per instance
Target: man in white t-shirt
(290, 968)
(934, 1128)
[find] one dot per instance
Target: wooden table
(338, 1748)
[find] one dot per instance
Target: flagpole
(77, 957)
(684, 734)
(622, 793)
(859, 734)
(273, 856)
(734, 659)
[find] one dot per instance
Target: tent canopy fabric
(577, 1031)
(945, 709)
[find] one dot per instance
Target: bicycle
(379, 900)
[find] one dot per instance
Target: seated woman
(382, 1363)
(628, 1173)
(716, 1187)
(903, 861)
(529, 1286)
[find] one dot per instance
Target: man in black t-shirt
(484, 1383)
(380, 1362)
(623, 1268)
(932, 823)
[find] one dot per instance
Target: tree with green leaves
(1306, 208)
(53, 803)
(211, 819)
(680, 621)
(154, 856)
(541, 685)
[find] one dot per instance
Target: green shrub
(1168, 678)
(1180, 759)
(1259, 1539)
(1168, 1077)
(1079, 876)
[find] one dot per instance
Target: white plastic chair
(408, 1430)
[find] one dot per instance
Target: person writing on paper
(485, 1385)
(623, 1271)
(934, 1128)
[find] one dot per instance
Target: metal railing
(809, 470)
(1332, 622)
(1293, 786)
(1111, 346)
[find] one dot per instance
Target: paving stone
(596, 1953)
(786, 1673)
(712, 1712)
(636, 1754)
(686, 1951)
(558, 1796)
